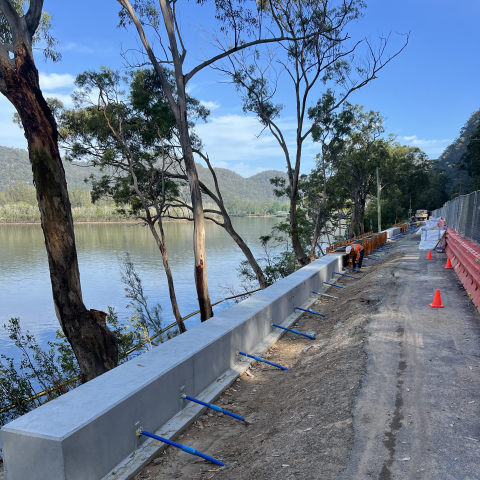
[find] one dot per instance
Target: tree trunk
(316, 233)
(247, 252)
(296, 244)
(227, 225)
(94, 345)
(361, 217)
(180, 110)
(161, 243)
(354, 216)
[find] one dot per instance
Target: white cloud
(241, 168)
(430, 147)
(235, 138)
(210, 105)
(56, 80)
(66, 99)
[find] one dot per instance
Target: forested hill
(452, 154)
(256, 188)
(15, 166)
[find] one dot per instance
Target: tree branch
(165, 86)
(33, 16)
(237, 48)
(11, 16)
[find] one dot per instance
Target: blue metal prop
(185, 448)
(294, 331)
(324, 294)
(333, 285)
(310, 311)
(213, 407)
(352, 269)
(258, 359)
(345, 275)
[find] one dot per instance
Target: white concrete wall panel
(84, 434)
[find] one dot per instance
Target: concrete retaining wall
(84, 434)
(391, 232)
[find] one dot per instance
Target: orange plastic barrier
(465, 258)
(368, 240)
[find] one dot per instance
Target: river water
(25, 282)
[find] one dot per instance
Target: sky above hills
(426, 94)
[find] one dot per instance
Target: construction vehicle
(421, 215)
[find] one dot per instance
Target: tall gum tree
(317, 51)
(95, 347)
(242, 28)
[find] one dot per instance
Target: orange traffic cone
(449, 264)
(429, 256)
(437, 300)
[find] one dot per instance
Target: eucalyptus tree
(330, 132)
(317, 51)
(364, 150)
(131, 137)
(241, 25)
(94, 344)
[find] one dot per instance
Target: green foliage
(470, 160)
(458, 178)
(278, 259)
(144, 318)
(43, 33)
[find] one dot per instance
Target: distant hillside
(15, 166)
(452, 154)
(233, 186)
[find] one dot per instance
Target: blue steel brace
(185, 448)
(345, 275)
(310, 311)
(324, 294)
(352, 269)
(333, 285)
(258, 359)
(213, 407)
(294, 331)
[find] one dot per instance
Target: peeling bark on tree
(94, 345)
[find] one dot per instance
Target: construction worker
(356, 250)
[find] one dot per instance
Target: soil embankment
(302, 423)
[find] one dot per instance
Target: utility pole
(410, 209)
(378, 204)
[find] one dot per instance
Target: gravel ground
(301, 419)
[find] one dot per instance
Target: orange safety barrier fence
(465, 258)
(368, 240)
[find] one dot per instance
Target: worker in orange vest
(356, 250)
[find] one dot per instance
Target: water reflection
(25, 283)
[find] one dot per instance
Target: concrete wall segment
(85, 433)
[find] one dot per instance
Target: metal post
(378, 204)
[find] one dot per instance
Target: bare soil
(301, 419)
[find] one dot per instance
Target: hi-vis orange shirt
(356, 249)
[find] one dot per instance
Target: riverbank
(132, 221)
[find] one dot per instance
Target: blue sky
(426, 94)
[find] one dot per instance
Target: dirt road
(389, 388)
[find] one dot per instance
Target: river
(25, 281)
